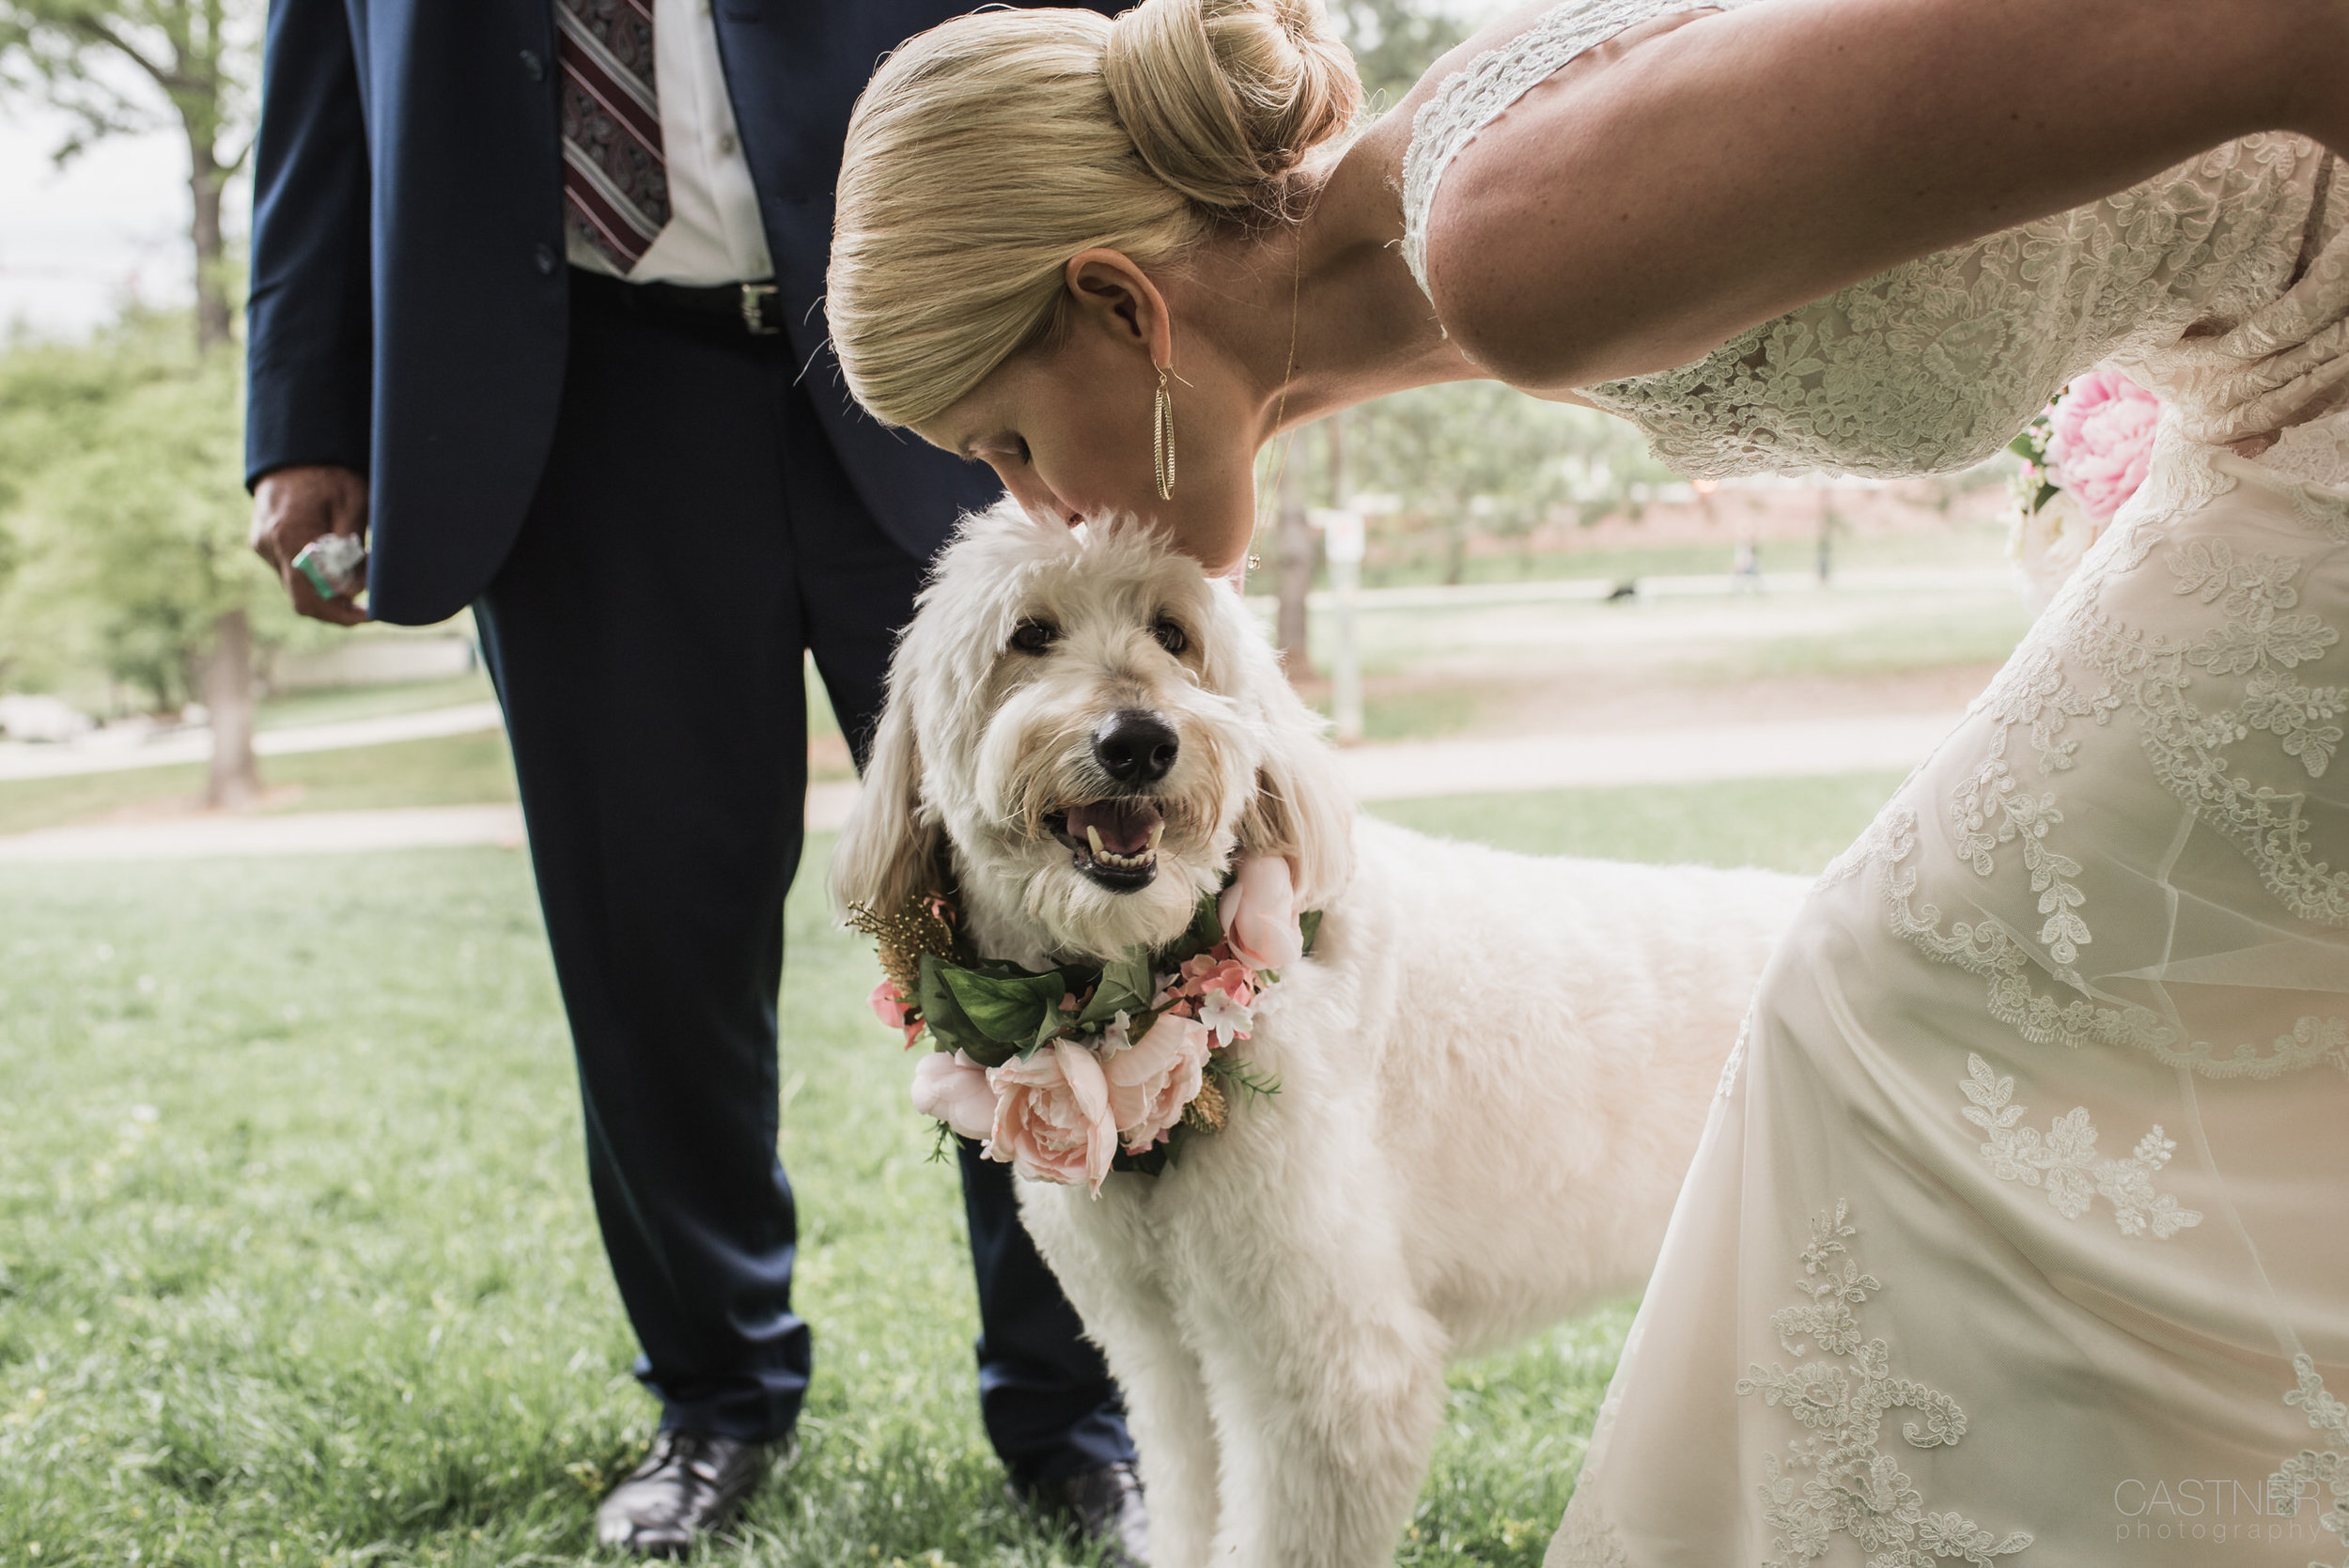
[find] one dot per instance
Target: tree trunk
(233, 783)
(1293, 570)
(204, 180)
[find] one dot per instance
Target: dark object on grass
(1103, 1508)
(1626, 589)
(690, 1485)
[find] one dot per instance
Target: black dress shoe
(689, 1485)
(1104, 1507)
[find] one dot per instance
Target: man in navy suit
(535, 305)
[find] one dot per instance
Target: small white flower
(2046, 545)
(1225, 1018)
(1114, 1038)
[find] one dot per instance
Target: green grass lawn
(297, 1264)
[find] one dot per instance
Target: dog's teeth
(1157, 830)
(1093, 836)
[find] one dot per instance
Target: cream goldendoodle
(1493, 1068)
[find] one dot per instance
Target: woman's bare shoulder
(1503, 196)
(1711, 170)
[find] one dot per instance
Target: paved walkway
(1789, 605)
(1501, 765)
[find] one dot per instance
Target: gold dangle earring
(1162, 436)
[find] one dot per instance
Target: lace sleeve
(1934, 364)
(1488, 84)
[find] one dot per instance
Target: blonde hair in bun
(987, 151)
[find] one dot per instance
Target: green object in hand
(335, 563)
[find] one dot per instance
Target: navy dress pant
(693, 538)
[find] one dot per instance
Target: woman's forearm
(1631, 217)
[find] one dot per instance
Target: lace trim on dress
(2262, 639)
(2150, 679)
(2327, 1469)
(1986, 950)
(1933, 365)
(1481, 91)
(1585, 1540)
(1855, 1488)
(2066, 1159)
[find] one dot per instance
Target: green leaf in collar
(1125, 988)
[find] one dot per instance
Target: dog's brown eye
(1173, 638)
(1034, 636)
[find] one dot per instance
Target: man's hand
(293, 506)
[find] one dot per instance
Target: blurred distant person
(535, 312)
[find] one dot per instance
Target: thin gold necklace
(1281, 458)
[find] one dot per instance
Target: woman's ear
(888, 852)
(1107, 290)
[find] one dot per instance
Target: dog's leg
(1325, 1378)
(1108, 1262)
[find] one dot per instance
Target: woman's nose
(1037, 500)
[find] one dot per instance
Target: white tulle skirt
(2020, 1232)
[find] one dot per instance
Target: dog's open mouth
(1113, 842)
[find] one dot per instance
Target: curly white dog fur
(1493, 1068)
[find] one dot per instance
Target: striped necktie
(616, 182)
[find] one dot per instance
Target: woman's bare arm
(1635, 213)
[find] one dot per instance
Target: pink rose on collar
(1205, 973)
(1052, 1116)
(1259, 914)
(954, 1088)
(1152, 1079)
(890, 1006)
(2100, 441)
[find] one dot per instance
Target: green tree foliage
(1471, 456)
(117, 65)
(1476, 456)
(1394, 42)
(123, 511)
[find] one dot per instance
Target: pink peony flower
(889, 1004)
(954, 1090)
(2100, 441)
(1154, 1078)
(1052, 1120)
(1259, 914)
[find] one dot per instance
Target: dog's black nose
(1134, 747)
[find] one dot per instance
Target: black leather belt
(738, 309)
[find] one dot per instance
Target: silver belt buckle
(754, 309)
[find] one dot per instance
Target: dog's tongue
(1124, 824)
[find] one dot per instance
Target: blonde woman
(2017, 1229)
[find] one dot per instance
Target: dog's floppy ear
(888, 852)
(1303, 809)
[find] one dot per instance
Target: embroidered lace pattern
(1585, 1540)
(2066, 1161)
(2083, 665)
(1986, 950)
(1840, 1480)
(2324, 1469)
(1933, 365)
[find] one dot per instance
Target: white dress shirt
(713, 233)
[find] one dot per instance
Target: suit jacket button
(545, 258)
(533, 66)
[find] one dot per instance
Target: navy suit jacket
(408, 300)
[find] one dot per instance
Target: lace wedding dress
(2020, 1229)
